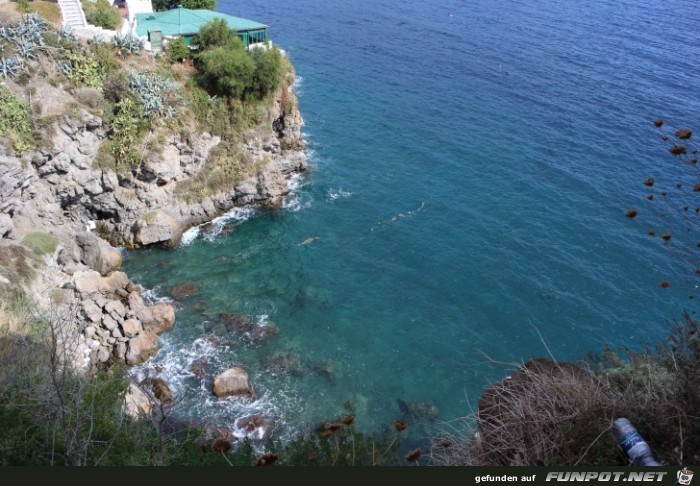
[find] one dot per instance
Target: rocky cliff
(59, 190)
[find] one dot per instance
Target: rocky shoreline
(58, 190)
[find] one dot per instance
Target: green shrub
(177, 50)
(23, 6)
(217, 33)
(85, 69)
(15, 117)
(268, 72)
(102, 14)
(40, 243)
(125, 130)
(226, 70)
(160, 5)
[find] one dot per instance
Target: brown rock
(184, 291)
(159, 388)
(142, 347)
(233, 381)
(136, 402)
(162, 317)
(131, 327)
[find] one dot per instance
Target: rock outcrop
(233, 381)
(63, 189)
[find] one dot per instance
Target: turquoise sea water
(471, 162)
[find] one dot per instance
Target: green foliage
(227, 68)
(102, 14)
(226, 71)
(177, 50)
(268, 72)
(41, 243)
(84, 69)
(160, 5)
(217, 33)
(23, 6)
(15, 117)
(125, 130)
(225, 167)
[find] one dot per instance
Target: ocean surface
(471, 164)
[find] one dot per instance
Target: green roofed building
(185, 23)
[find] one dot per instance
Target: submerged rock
(233, 381)
(259, 333)
(254, 427)
(325, 370)
(284, 362)
(159, 388)
(235, 323)
(418, 410)
(184, 291)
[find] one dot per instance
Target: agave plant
(128, 43)
(67, 33)
(9, 67)
(26, 49)
(156, 95)
(8, 33)
(97, 39)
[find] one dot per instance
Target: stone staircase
(72, 13)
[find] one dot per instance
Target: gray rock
(6, 225)
(97, 253)
(116, 333)
(155, 227)
(120, 351)
(89, 332)
(102, 355)
(115, 309)
(108, 322)
(92, 311)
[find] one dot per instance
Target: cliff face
(59, 190)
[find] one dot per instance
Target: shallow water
(471, 165)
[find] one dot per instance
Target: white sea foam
(334, 194)
(150, 296)
(293, 202)
(210, 231)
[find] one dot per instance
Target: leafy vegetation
(15, 120)
(227, 68)
(102, 14)
(157, 96)
(177, 50)
(125, 130)
(41, 243)
(160, 5)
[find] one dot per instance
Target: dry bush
(546, 413)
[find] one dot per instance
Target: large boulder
(141, 348)
(233, 381)
(155, 227)
(97, 253)
(91, 282)
(137, 402)
(162, 317)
